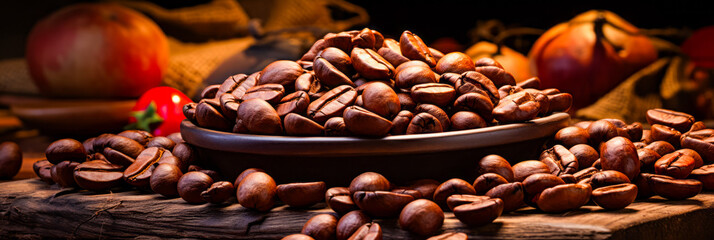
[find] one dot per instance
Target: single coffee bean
(335, 126)
(210, 91)
(499, 76)
(329, 75)
(189, 111)
(164, 179)
(381, 203)
(698, 160)
(161, 142)
(472, 81)
(426, 187)
(362, 122)
(391, 51)
(257, 191)
(350, 222)
(140, 136)
(475, 102)
(541, 99)
(620, 154)
(230, 84)
(488, 181)
(506, 90)
(701, 141)
(301, 126)
(661, 147)
(585, 154)
(524, 169)
(511, 193)
(400, 123)
(297, 236)
(665, 133)
(615, 197)
(402, 190)
(436, 112)
(65, 150)
(607, 178)
(479, 213)
(98, 175)
(674, 189)
(601, 131)
(455, 62)
(678, 120)
(646, 136)
(218, 192)
(369, 181)
(380, 99)
(43, 170)
(704, 174)
(586, 173)
(412, 75)
(339, 59)
(422, 217)
(11, 159)
(496, 164)
(271, 93)
(308, 83)
(208, 115)
(283, 72)
(245, 173)
(571, 136)
(229, 105)
(139, 172)
(414, 48)
(450, 236)
(369, 64)
(424, 123)
(301, 194)
(259, 117)
(243, 83)
(368, 231)
(464, 120)
(63, 173)
(559, 160)
(321, 227)
(185, 153)
(564, 197)
(332, 104)
(518, 107)
(534, 184)
(647, 158)
(559, 102)
(192, 184)
(368, 38)
(296, 102)
(461, 199)
(675, 164)
(451, 187)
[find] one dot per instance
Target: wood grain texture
(32, 209)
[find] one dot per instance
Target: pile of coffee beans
(358, 83)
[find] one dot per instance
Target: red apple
(96, 50)
(590, 55)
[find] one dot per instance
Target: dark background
(429, 19)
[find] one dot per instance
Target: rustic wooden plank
(32, 209)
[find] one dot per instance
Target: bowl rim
(355, 146)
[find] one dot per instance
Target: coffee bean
(461, 199)
(11, 159)
(402, 190)
(450, 236)
(571, 136)
(406, 102)
(463, 120)
(369, 181)
(661, 147)
(665, 133)
(381, 203)
(301, 194)
(297, 236)
(414, 48)
(164, 180)
(335, 126)
(210, 91)
(411, 75)
(487, 61)
(350, 222)
(615, 197)
(704, 174)
(451, 187)
(259, 117)
(192, 184)
(339, 200)
(242, 84)
(370, 64)
(479, 213)
(329, 75)
(585, 154)
(564, 197)
(391, 52)
(218, 192)
(488, 181)
(678, 120)
(296, 102)
(332, 104)
(362, 122)
(63, 173)
(245, 173)
(301, 126)
(534, 184)
(140, 136)
(518, 107)
(400, 123)
(524, 169)
(209, 115)
(283, 72)
(98, 175)
(271, 93)
(607, 178)
(647, 158)
(585, 173)
(475, 102)
(426, 187)
(701, 141)
(424, 123)
(621, 155)
(257, 191)
(455, 62)
(422, 217)
(472, 81)
(368, 231)
(676, 165)
(161, 142)
(321, 227)
(674, 189)
(308, 83)
(43, 170)
(601, 131)
(65, 150)
(499, 76)
(496, 164)
(380, 99)
(559, 160)
(339, 59)
(511, 193)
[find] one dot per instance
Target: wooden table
(32, 209)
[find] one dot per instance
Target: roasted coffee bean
(271, 93)
(665, 133)
(369, 181)
(339, 59)
(296, 102)
(244, 174)
(644, 190)
(467, 120)
(189, 111)
(414, 193)
(480, 212)
(362, 122)
(332, 104)
(259, 117)
(585, 173)
(164, 179)
(308, 83)
(541, 99)
(117, 149)
(243, 83)
(422, 217)
(257, 191)
(524, 169)
(380, 99)
(43, 170)
(475, 102)
(185, 153)
(620, 154)
(98, 175)
(615, 197)
(451, 187)
(472, 81)
(391, 51)
(350, 222)
(211, 173)
(647, 158)
(560, 160)
(368, 231)
(583, 124)
(208, 115)
(368, 38)
(601, 131)
(369, 64)
(65, 150)
(161, 142)
(381, 203)
(400, 123)
(439, 94)
(424, 123)
(329, 75)
(676, 165)
(406, 102)
(559, 102)
(455, 62)
(488, 181)
(414, 48)
(218, 192)
(321, 227)
(704, 174)
(139, 172)
(534, 184)
(511, 193)
(339, 200)
(297, 236)
(698, 160)
(496, 164)
(701, 141)
(487, 61)
(674, 189)
(192, 184)
(450, 236)
(335, 126)
(518, 107)
(140, 136)
(426, 187)
(646, 136)
(461, 199)
(634, 130)
(412, 75)
(607, 178)
(506, 90)
(411, 63)
(564, 197)
(678, 120)
(585, 154)
(11, 159)
(210, 91)
(436, 112)
(436, 53)
(499, 76)
(363, 83)
(301, 194)
(533, 82)
(283, 72)
(230, 84)
(301, 126)
(661, 147)
(571, 136)
(229, 105)
(63, 173)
